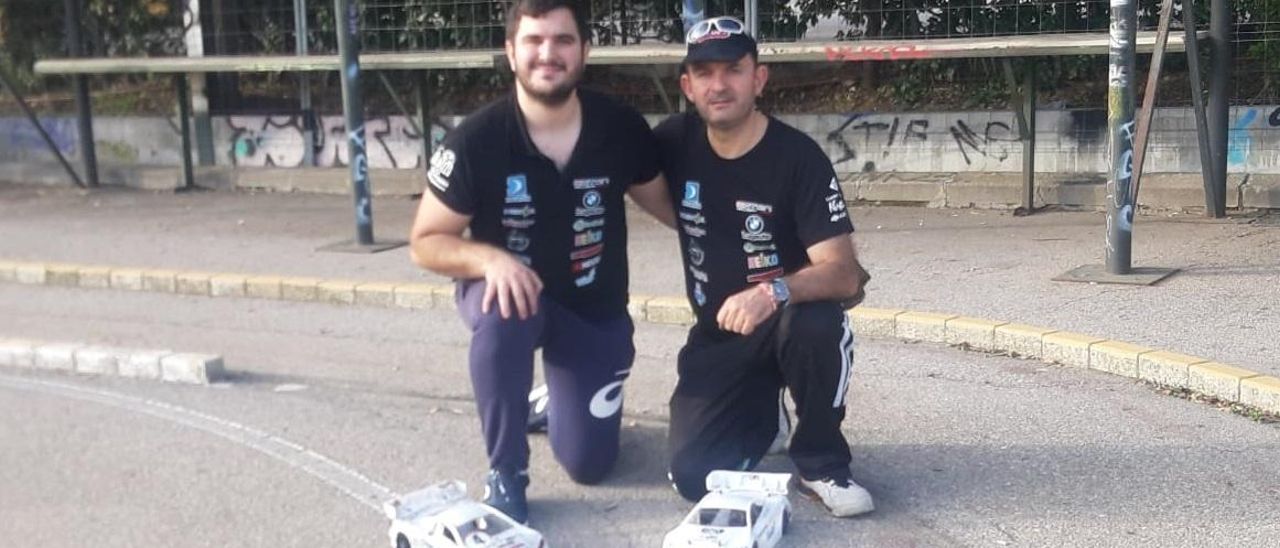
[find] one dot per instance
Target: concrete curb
(1154, 366)
(159, 365)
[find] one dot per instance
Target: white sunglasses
(725, 25)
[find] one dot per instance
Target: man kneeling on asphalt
(539, 177)
(769, 267)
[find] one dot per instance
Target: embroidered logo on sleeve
(441, 168)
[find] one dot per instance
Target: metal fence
(244, 27)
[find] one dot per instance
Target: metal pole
(184, 122)
(35, 122)
(1029, 140)
(1149, 99)
(423, 89)
(353, 107)
(1197, 103)
(1120, 125)
(304, 85)
(1219, 98)
(84, 108)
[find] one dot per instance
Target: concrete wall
(1068, 141)
(941, 158)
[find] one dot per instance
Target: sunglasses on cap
(716, 27)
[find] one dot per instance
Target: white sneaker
(779, 445)
(844, 498)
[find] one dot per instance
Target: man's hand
(742, 312)
(513, 284)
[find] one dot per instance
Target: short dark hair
(538, 8)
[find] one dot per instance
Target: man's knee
(689, 479)
(589, 469)
(814, 323)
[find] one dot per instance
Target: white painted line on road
(341, 477)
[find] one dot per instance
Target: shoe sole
(844, 512)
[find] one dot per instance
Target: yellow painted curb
(975, 333)
(298, 289)
(63, 274)
(30, 273)
(227, 285)
(669, 310)
(193, 283)
(380, 294)
(1066, 348)
(1262, 392)
(636, 306)
(8, 271)
(263, 287)
(442, 295)
(414, 296)
(336, 291)
(1117, 358)
(95, 277)
(1022, 340)
(128, 279)
(160, 280)
(1218, 379)
(875, 322)
(1166, 368)
(922, 326)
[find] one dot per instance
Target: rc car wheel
(402, 542)
(786, 521)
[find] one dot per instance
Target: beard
(556, 95)
(725, 120)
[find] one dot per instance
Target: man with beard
(770, 269)
(539, 177)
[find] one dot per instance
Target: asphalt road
(330, 408)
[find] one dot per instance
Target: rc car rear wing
(727, 480)
(428, 500)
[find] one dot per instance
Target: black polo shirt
(570, 227)
(750, 219)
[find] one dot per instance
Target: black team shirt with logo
(570, 226)
(750, 219)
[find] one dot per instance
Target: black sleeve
(670, 138)
(644, 148)
(450, 177)
(820, 210)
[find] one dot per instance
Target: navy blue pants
(584, 363)
(724, 412)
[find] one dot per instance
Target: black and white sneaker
(842, 496)
(538, 400)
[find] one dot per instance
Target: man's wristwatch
(781, 293)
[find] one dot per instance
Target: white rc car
(742, 510)
(442, 516)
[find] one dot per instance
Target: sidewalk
(985, 264)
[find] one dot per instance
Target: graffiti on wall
(280, 141)
(861, 136)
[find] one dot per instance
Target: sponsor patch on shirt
(583, 224)
(752, 207)
(764, 276)
(586, 279)
(518, 189)
(698, 275)
(587, 252)
(693, 217)
(692, 195)
(763, 260)
(523, 211)
(517, 241)
(694, 231)
(587, 238)
(590, 183)
(442, 162)
(583, 265)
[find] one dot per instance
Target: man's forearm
(452, 256)
(823, 282)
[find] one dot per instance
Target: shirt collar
(521, 143)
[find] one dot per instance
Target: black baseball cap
(720, 39)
